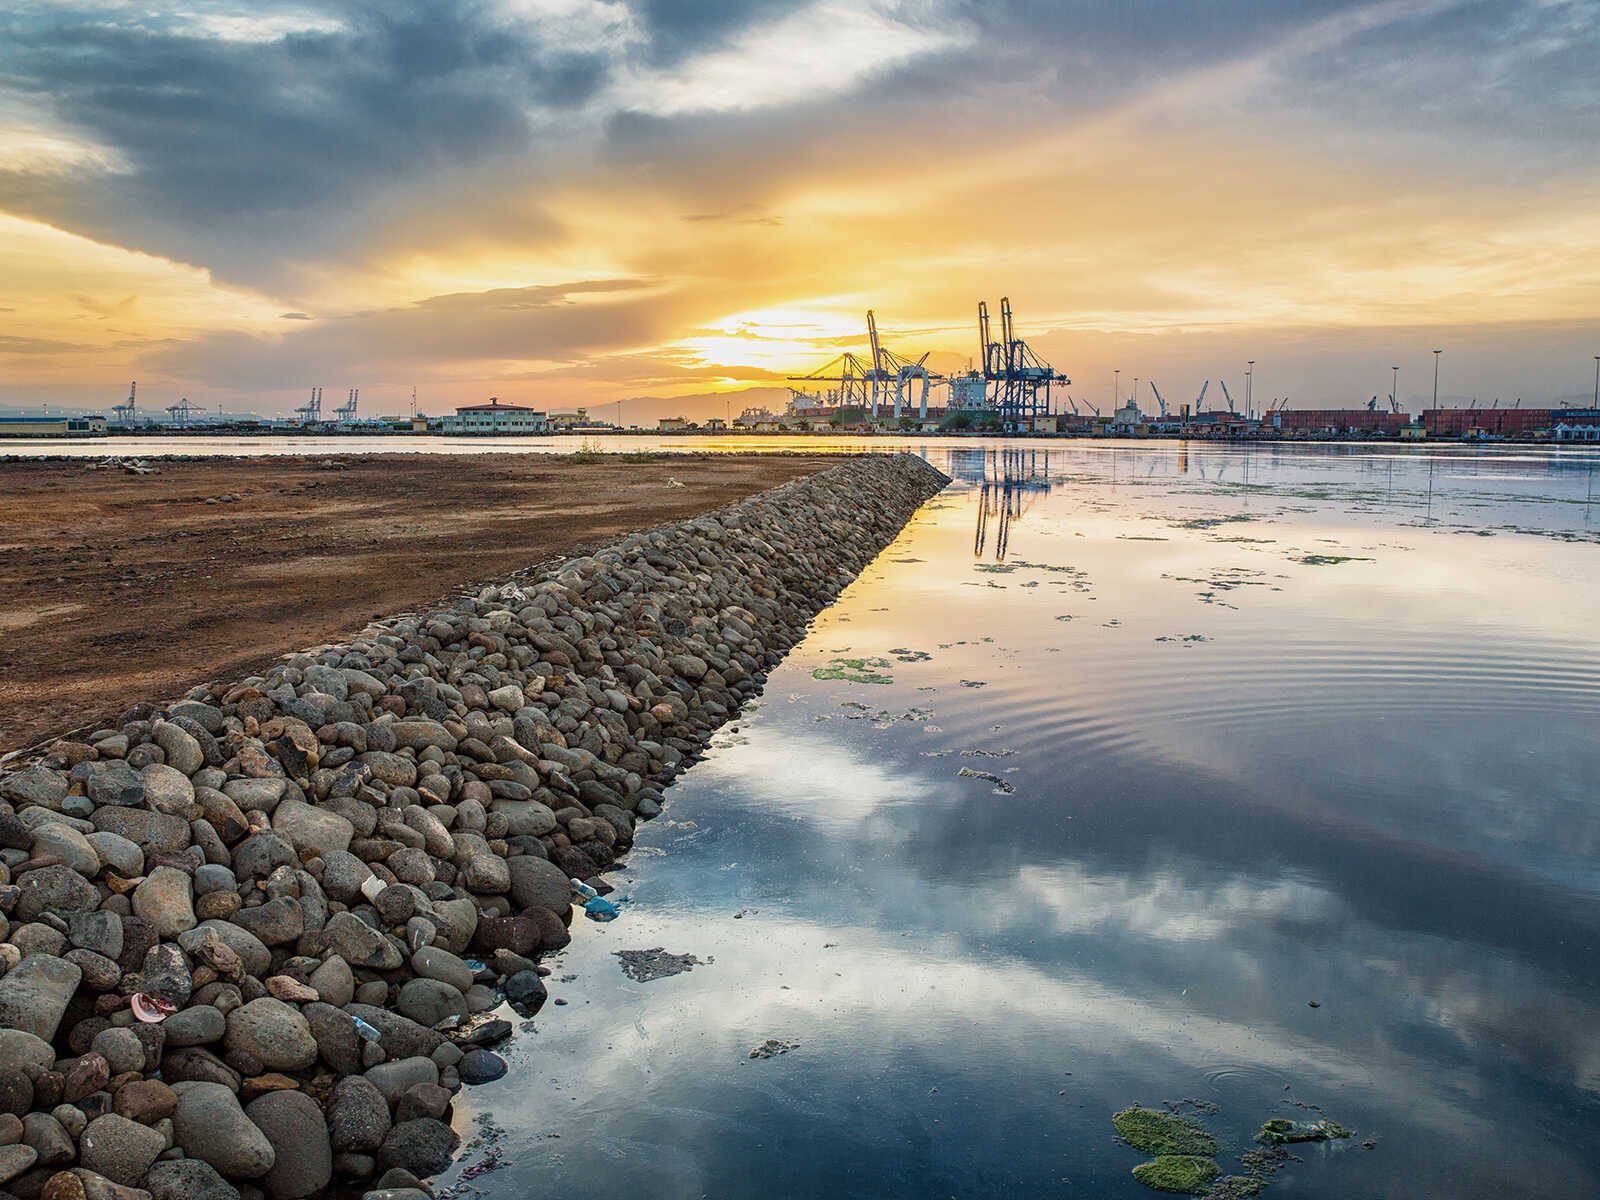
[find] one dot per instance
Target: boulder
(430, 1001)
(312, 831)
(210, 1126)
(120, 1149)
(166, 900)
(67, 844)
(537, 882)
(394, 1079)
(187, 1179)
(35, 992)
(274, 1033)
(358, 1115)
(334, 982)
(423, 1147)
(293, 1123)
(359, 944)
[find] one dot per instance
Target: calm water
(1271, 726)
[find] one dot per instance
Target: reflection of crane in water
(1011, 479)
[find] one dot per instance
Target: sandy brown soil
(116, 588)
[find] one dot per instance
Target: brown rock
(89, 1073)
(260, 1085)
(145, 1101)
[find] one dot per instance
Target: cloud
(1118, 169)
(491, 330)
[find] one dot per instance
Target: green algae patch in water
(1162, 1133)
(1280, 1131)
(855, 670)
(1183, 1173)
(1329, 560)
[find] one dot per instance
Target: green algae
(1280, 1131)
(1162, 1133)
(855, 670)
(1183, 1173)
(1329, 560)
(1235, 1187)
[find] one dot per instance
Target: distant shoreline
(821, 434)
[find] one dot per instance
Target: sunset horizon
(575, 203)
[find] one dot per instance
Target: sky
(653, 207)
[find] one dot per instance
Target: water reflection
(1008, 480)
(1280, 725)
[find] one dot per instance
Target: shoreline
(321, 866)
(216, 566)
(581, 436)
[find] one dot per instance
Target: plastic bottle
(583, 889)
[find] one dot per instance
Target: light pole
(1248, 386)
(1394, 391)
(1134, 399)
(1597, 380)
(1436, 354)
(1116, 388)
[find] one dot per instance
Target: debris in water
(905, 655)
(1328, 560)
(987, 753)
(1187, 639)
(1281, 1130)
(643, 966)
(772, 1047)
(973, 683)
(854, 670)
(1000, 785)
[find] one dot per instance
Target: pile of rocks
(251, 937)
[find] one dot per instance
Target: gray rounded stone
(210, 1126)
(120, 1149)
(430, 1001)
(539, 882)
(294, 1124)
(121, 1048)
(187, 1179)
(358, 1115)
(166, 900)
(273, 1032)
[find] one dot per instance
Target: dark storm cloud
(678, 28)
(236, 145)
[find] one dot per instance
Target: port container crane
(181, 410)
(1159, 400)
(127, 412)
(1023, 378)
(310, 413)
(1227, 393)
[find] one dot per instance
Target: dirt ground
(117, 588)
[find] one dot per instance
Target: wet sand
(116, 588)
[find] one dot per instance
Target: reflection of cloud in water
(1166, 907)
(823, 781)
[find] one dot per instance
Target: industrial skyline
(579, 202)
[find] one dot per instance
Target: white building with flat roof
(495, 417)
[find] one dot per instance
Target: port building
(497, 417)
(52, 426)
(1503, 422)
(1313, 421)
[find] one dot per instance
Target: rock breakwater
(251, 938)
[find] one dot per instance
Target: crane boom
(1159, 400)
(1227, 393)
